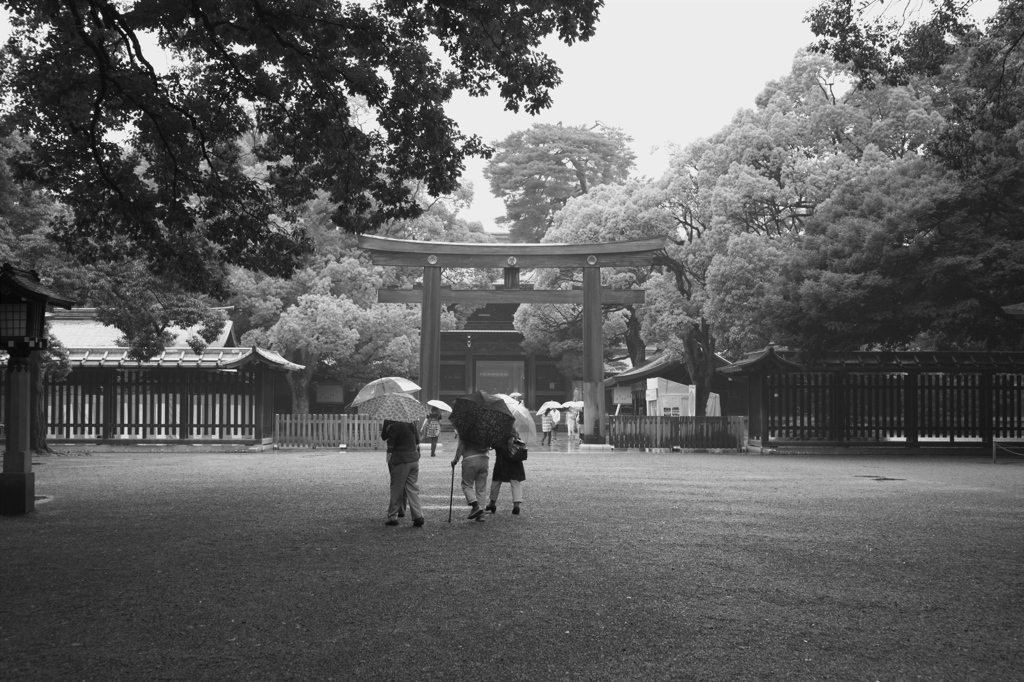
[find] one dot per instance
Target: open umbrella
(482, 418)
(400, 407)
(525, 425)
(440, 404)
(382, 386)
(549, 405)
(573, 405)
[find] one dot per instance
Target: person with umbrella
(431, 427)
(482, 421)
(404, 467)
(548, 418)
(474, 474)
(508, 468)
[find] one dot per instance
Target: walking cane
(451, 498)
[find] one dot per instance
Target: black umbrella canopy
(482, 418)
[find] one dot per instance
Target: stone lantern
(23, 301)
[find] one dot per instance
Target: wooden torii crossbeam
(433, 256)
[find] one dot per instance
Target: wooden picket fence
(327, 431)
(687, 433)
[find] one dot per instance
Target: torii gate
(433, 256)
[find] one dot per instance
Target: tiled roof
(27, 282)
(218, 358)
(884, 361)
(662, 364)
(79, 328)
(763, 358)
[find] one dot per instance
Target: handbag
(517, 451)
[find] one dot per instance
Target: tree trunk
(299, 381)
(700, 363)
(37, 419)
(634, 341)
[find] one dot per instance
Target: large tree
(606, 213)
(957, 247)
(147, 155)
(536, 171)
(325, 317)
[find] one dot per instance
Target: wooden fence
(909, 407)
(689, 433)
(327, 431)
(159, 405)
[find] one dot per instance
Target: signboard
(622, 395)
(330, 393)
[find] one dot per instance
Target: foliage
(536, 171)
(148, 157)
(145, 308)
(955, 250)
(338, 279)
(890, 43)
(606, 213)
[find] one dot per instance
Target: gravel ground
(277, 566)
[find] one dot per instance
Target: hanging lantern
(23, 301)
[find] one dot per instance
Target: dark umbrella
(482, 418)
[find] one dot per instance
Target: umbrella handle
(451, 498)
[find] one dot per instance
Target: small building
(221, 394)
(667, 398)
(731, 391)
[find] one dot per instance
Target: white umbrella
(382, 386)
(549, 405)
(525, 425)
(573, 405)
(440, 404)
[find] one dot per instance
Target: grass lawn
(623, 566)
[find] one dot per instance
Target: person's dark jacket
(508, 468)
(403, 441)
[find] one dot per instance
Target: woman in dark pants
(404, 465)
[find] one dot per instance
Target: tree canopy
(147, 156)
(536, 171)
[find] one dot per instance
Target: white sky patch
(665, 71)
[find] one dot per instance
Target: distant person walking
(474, 474)
(508, 468)
(404, 466)
(572, 424)
(431, 429)
(547, 426)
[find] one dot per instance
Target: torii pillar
(432, 256)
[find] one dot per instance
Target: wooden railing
(688, 433)
(327, 431)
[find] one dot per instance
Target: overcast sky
(665, 71)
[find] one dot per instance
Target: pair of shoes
(417, 522)
(476, 513)
(491, 507)
(401, 513)
(391, 522)
(515, 510)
